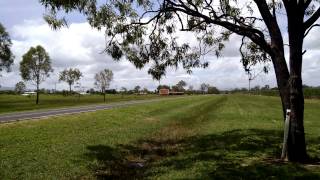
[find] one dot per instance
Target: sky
(80, 46)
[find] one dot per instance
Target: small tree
(137, 89)
(145, 90)
(20, 87)
(204, 87)
(181, 84)
(190, 89)
(102, 81)
(123, 90)
(213, 90)
(70, 76)
(35, 66)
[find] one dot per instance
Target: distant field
(12, 103)
(309, 93)
(197, 137)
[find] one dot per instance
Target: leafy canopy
(137, 89)
(35, 65)
(204, 87)
(70, 76)
(145, 31)
(180, 85)
(103, 79)
(20, 87)
(6, 56)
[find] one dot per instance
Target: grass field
(197, 137)
(13, 103)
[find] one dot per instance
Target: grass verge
(15, 103)
(200, 137)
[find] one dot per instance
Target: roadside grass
(197, 137)
(14, 103)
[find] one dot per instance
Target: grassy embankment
(198, 137)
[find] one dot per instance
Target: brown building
(164, 92)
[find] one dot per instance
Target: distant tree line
(308, 91)
(181, 87)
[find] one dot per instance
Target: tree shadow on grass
(236, 154)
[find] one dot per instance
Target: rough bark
(296, 139)
(282, 76)
(290, 87)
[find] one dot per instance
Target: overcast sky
(80, 46)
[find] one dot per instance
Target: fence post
(285, 135)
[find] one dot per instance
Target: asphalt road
(18, 116)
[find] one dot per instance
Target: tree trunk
(296, 139)
(249, 89)
(282, 76)
(69, 88)
(291, 94)
(104, 96)
(37, 101)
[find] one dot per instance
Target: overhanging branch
(315, 16)
(308, 30)
(254, 34)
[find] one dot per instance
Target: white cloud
(80, 46)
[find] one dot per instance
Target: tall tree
(213, 22)
(6, 56)
(137, 89)
(35, 66)
(102, 81)
(204, 87)
(70, 76)
(20, 87)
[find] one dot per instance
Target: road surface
(18, 116)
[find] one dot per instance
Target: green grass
(14, 103)
(197, 137)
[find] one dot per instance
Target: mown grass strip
(200, 137)
(18, 103)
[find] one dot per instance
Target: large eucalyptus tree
(36, 66)
(144, 31)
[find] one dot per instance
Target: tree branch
(306, 4)
(307, 32)
(315, 16)
(254, 34)
(270, 21)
